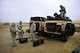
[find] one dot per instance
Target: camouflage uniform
(13, 34)
(62, 11)
(32, 31)
(20, 30)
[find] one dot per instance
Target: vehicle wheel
(41, 33)
(70, 29)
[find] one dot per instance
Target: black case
(23, 40)
(38, 42)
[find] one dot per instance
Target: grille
(51, 27)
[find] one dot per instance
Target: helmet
(12, 25)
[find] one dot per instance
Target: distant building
(0, 23)
(7, 23)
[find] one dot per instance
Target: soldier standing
(13, 34)
(20, 30)
(33, 30)
(62, 11)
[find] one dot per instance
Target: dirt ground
(49, 46)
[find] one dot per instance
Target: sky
(16, 10)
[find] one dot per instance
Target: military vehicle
(54, 27)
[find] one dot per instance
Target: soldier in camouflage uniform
(13, 34)
(62, 12)
(20, 30)
(33, 30)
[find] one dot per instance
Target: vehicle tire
(70, 29)
(42, 33)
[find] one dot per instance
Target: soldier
(32, 31)
(20, 30)
(13, 34)
(62, 11)
(57, 17)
